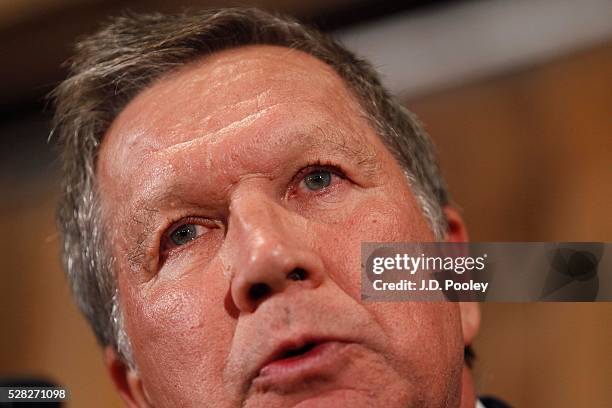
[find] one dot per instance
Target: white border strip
(420, 53)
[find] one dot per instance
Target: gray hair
(110, 67)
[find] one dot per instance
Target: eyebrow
(148, 208)
(364, 157)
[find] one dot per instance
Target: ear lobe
(470, 321)
(126, 379)
(456, 230)
(470, 311)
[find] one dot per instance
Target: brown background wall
(527, 157)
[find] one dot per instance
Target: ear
(470, 321)
(470, 311)
(126, 379)
(456, 230)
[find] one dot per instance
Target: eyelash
(298, 179)
(166, 237)
(313, 166)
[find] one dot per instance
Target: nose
(270, 253)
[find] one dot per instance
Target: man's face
(237, 192)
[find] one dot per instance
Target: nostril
(298, 274)
(259, 291)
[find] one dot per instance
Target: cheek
(179, 336)
(422, 340)
(392, 217)
(425, 343)
(430, 326)
(425, 332)
(389, 214)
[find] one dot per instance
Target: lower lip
(309, 362)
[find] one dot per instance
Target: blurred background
(517, 96)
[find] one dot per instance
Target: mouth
(293, 362)
(297, 352)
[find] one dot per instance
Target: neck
(468, 393)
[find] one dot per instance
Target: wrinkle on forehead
(205, 97)
(271, 153)
(247, 78)
(237, 73)
(229, 94)
(215, 137)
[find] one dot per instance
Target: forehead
(222, 93)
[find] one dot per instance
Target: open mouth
(297, 352)
(303, 363)
(300, 358)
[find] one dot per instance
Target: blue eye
(318, 180)
(183, 234)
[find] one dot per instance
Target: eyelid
(198, 221)
(319, 165)
(298, 179)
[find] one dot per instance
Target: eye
(318, 179)
(188, 233)
(183, 234)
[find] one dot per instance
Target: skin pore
(237, 191)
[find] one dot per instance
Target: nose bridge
(256, 218)
(266, 258)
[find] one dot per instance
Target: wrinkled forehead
(225, 91)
